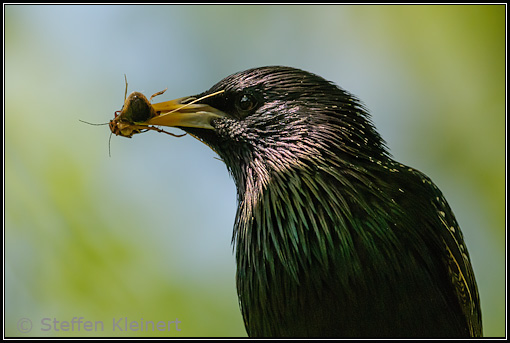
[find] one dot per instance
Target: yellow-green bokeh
(146, 233)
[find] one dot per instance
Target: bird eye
(246, 103)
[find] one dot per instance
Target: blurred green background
(145, 234)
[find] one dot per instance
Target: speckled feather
(332, 236)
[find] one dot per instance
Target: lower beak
(184, 112)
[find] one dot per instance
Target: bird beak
(185, 112)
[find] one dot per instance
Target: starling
(332, 236)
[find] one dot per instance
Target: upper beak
(184, 112)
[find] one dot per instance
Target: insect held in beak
(133, 115)
(138, 114)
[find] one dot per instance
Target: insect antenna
(109, 145)
(194, 101)
(125, 92)
(86, 122)
(156, 94)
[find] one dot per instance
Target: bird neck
(290, 215)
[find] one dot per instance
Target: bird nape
(333, 237)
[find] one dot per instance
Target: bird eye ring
(246, 103)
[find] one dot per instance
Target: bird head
(273, 119)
